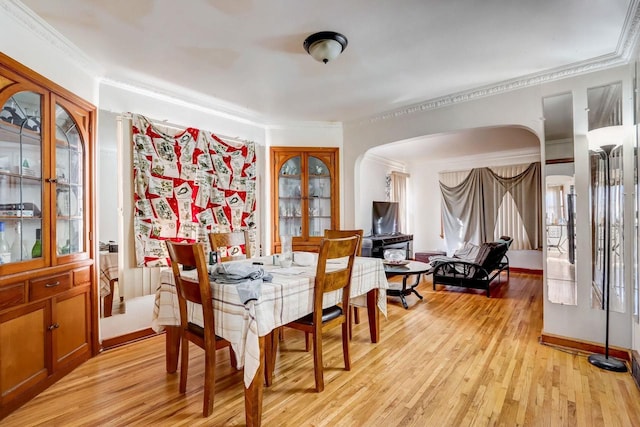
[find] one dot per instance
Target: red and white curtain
(188, 183)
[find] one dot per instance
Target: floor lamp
(603, 141)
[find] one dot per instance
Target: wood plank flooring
(455, 358)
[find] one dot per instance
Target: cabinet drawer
(49, 286)
(12, 295)
(81, 276)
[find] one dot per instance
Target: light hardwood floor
(456, 358)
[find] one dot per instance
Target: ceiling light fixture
(325, 46)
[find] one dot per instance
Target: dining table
(249, 327)
(108, 278)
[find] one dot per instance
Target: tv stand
(374, 246)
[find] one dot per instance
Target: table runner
(287, 298)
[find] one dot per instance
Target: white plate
(403, 262)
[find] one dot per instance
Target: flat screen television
(384, 218)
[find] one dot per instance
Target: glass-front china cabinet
(304, 195)
(46, 220)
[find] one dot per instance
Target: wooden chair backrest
(196, 290)
(337, 234)
(231, 239)
(329, 281)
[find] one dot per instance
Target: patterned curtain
(188, 183)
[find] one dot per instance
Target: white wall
(309, 134)
(520, 108)
(109, 180)
(425, 198)
(372, 186)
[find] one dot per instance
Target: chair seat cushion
(327, 314)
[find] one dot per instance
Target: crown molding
(622, 55)
(395, 164)
(601, 63)
(25, 17)
(190, 100)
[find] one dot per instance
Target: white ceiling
(248, 54)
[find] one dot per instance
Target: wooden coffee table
(413, 268)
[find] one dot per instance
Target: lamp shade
(325, 46)
(608, 136)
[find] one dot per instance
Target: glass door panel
(69, 185)
(290, 198)
(319, 196)
(21, 176)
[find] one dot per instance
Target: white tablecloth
(287, 298)
(108, 271)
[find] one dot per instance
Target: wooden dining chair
(232, 243)
(328, 281)
(198, 291)
(336, 234)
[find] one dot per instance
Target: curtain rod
(167, 124)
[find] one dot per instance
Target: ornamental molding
(25, 17)
(622, 55)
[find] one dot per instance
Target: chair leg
(356, 315)
(355, 319)
(317, 360)
(345, 346)
(184, 364)
(307, 342)
(209, 381)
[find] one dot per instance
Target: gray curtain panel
(470, 209)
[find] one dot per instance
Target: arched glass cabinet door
(70, 185)
(21, 189)
(290, 197)
(319, 196)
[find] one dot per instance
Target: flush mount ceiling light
(325, 46)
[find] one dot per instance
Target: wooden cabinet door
(305, 195)
(71, 332)
(24, 338)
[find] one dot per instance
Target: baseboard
(584, 346)
(127, 338)
(635, 367)
(525, 270)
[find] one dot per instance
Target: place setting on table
(276, 290)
